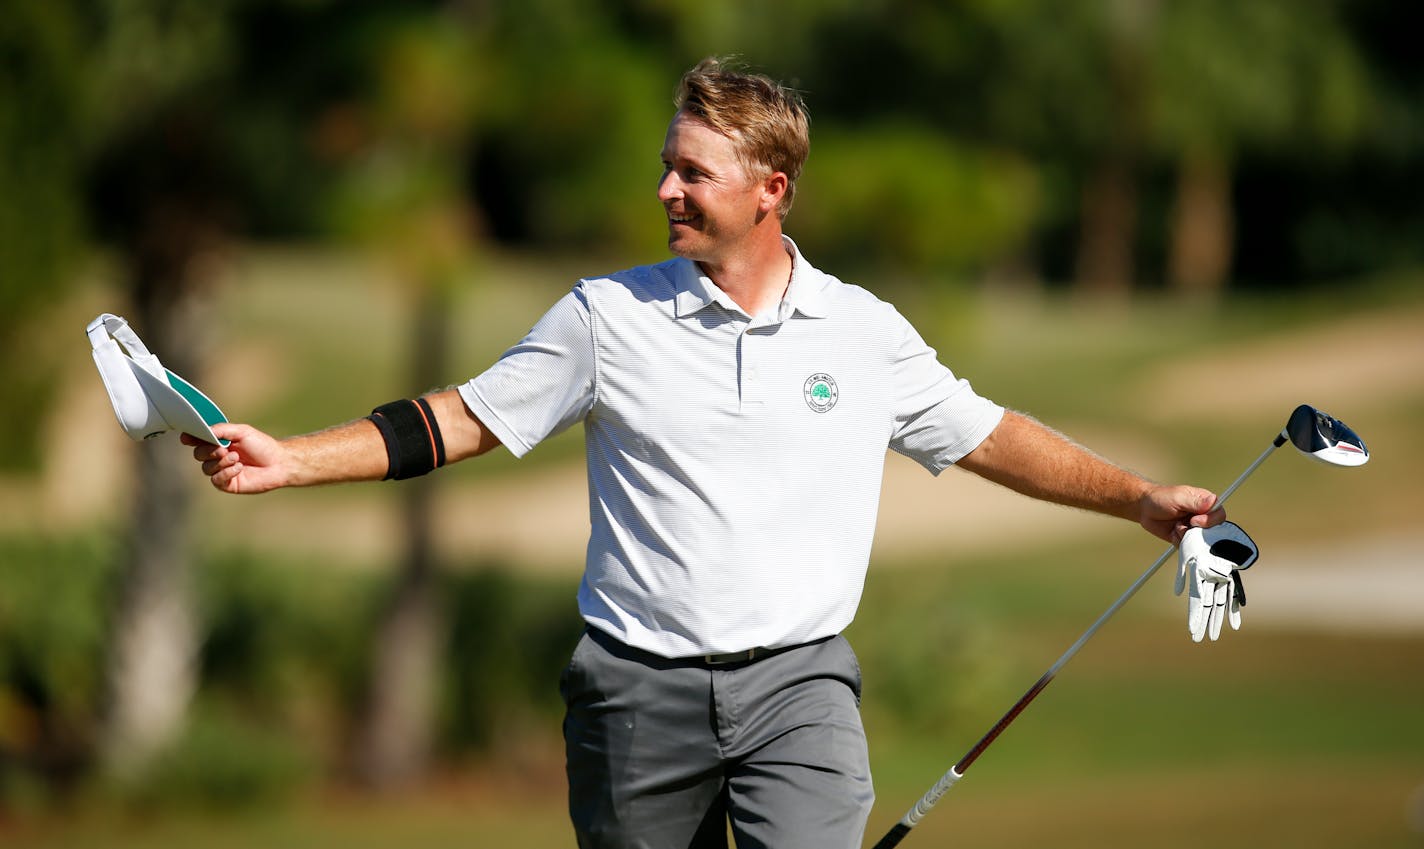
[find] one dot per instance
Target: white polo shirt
(734, 463)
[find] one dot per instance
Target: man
(737, 405)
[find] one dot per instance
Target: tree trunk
(397, 732)
(1108, 240)
(1108, 237)
(152, 666)
(1202, 226)
(397, 735)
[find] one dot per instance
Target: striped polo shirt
(734, 462)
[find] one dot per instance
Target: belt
(746, 656)
(617, 646)
(758, 653)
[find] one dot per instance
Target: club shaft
(1236, 484)
(912, 818)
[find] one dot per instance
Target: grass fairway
(1276, 739)
(1281, 740)
(1269, 737)
(1235, 809)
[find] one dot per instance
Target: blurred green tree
(566, 154)
(897, 199)
(43, 98)
(1099, 96)
(1226, 77)
(1047, 89)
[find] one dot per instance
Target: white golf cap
(148, 399)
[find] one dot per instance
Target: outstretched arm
(1035, 460)
(255, 462)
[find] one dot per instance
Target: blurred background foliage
(1248, 164)
(1110, 145)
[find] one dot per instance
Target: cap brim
(181, 404)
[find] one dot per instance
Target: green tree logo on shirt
(821, 392)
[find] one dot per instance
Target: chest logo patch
(821, 392)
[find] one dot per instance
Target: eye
(687, 173)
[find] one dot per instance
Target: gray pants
(663, 754)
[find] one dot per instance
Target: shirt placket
(755, 350)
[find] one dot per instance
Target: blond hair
(767, 121)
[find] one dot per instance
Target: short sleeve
(544, 383)
(939, 418)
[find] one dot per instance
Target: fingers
(1198, 602)
(202, 447)
(1199, 506)
(222, 464)
(1218, 609)
(230, 431)
(1170, 511)
(1209, 518)
(1206, 606)
(205, 451)
(212, 457)
(227, 478)
(1206, 519)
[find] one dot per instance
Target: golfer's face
(711, 202)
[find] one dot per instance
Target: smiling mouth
(681, 218)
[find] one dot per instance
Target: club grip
(893, 837)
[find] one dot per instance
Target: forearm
(342, 454)
(1028, 457)
(356, 451)
(254, 462)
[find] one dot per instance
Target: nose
(669, 187)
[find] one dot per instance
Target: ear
(773, 189)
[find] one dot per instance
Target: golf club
(1315, 434)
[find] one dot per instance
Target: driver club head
(1325, 438)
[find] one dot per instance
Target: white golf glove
(1209, 562)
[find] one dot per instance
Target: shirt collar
(805, 294)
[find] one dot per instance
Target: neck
(756, 278)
